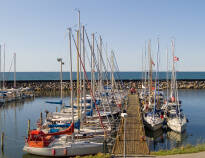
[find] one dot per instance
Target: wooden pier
(135, 139)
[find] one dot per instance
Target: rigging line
(91, 92)
(105, 67)
(7, 77)
(107, 57)
(100, 54)
(102, 59)
(118, 70)
(97, 66)
(91, 50)
(110, 64)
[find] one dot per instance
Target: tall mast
(71, 83)
(107, 65)
(112, 60)
(78, 95)
(60, 60)
(14, 70)
(4, 69)
(84, 90)
(150, 66)
(93, 66)
(80, 71)
(91, 72)
(167, 76)
(145, 67)
(100, 63)
(173, 83)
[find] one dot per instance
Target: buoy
(53, 152)
(65, 152)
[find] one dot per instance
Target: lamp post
(61, 75)
(124, 115)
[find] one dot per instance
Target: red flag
(176, 59)
(152, 62)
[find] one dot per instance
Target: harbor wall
(55, 85)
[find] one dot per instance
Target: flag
(176, 59)
(152, 62)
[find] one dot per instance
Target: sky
(36, 30)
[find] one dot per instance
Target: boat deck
(135, 139)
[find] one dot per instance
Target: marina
(105, 79)
(14, 118)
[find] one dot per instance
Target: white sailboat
(152, 119)
(176, 119)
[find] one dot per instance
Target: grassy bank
(182, 150)
(99, 155)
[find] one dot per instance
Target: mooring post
(46, 113)
(28, 126)
(2, 141)
(41, 118)
(56, 109)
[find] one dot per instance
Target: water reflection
(14, 117)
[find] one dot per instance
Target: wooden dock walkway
(135, 143)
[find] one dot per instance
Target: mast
(71, 83)
(173, 83)
(100, 56)
(93, 66)
(150, 68)
(167, 76)
(14, 70)
(145, 77)
(84, 90)
(175, 88)
(107, 66)
(60, 60)
(112, 60)
(4, 70)
(91, 72)
(80, 71)
(78, 90)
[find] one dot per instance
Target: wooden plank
(135, 144)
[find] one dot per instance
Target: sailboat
(66, 144)
(153, 119)
(176, 119)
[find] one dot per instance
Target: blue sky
(36, 30)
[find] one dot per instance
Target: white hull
(176, 124)
(153, 123)
(79, 148)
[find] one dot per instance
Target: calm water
(14, 117)
(29, 76)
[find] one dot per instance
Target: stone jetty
(55, 85)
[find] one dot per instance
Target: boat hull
(176, 126)
(71, 150)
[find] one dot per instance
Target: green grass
(99, 155)
(182, 150)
